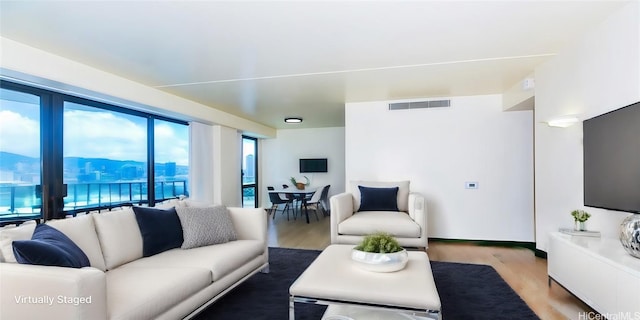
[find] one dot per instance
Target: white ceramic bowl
(380, 262)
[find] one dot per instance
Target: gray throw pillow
(205, 226)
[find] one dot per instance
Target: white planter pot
(380, 262)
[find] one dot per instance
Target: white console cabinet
(596, 270)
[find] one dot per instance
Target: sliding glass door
(249, 172)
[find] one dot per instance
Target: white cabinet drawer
(597, 271)
(628, 294)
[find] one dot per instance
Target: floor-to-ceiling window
(105, 157)
(249, 172)
(81, 154)
(171, 158)
(20, 173)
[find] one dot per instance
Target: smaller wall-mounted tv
(313, 165)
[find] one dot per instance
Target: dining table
(300, 194)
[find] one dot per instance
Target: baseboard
(540, 254)
(511, 244)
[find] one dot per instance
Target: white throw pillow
(9, 234)
(81, 230)
(119, 236)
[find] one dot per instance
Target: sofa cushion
(192, 203)
(220, 259)
(403, 192)
(378, 199)
(119, 237)
(9, 234)
(168, 204)
(160, 229)
(397, 224)
(204, 226)
(146, 293)
(82, 231)
(49, 247)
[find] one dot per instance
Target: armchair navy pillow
(161, 229)
(378, 199)
(49, 247)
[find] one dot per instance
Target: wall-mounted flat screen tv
(313, 165)
(612, 160)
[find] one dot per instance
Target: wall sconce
(563, 122)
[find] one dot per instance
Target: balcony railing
(22, 202)
(249, 196)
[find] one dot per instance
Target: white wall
(279, 158)
(201, 162)
(442, 148)
(520, 96)
(598, 73)
(214, 164)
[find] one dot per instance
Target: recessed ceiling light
(293, 120)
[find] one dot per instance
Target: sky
(91, 133)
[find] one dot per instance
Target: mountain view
(18, 168)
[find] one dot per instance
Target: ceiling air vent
(420, 104)
(399, 106)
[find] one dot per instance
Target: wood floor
(521, 269)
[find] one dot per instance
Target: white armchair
(350, 221)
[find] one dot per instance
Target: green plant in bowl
(380, 252)
(379, 242)
(298, 182)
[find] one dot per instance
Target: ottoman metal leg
(292, 311)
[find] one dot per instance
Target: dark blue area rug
(467, 292)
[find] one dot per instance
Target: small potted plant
(298, 182)
(380, 252)
(579, 218)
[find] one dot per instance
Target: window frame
(52, 188)
(253, 185)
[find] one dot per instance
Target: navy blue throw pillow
(161, 229)
(378, 199)
(49, 247)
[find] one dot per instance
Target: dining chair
(276, 201)
(324, 201)
(315, 203)
(293, 199)
(283, 196)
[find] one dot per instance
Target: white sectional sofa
(122, 284)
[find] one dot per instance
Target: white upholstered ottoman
(334, 279)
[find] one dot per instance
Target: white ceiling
(267, 60)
